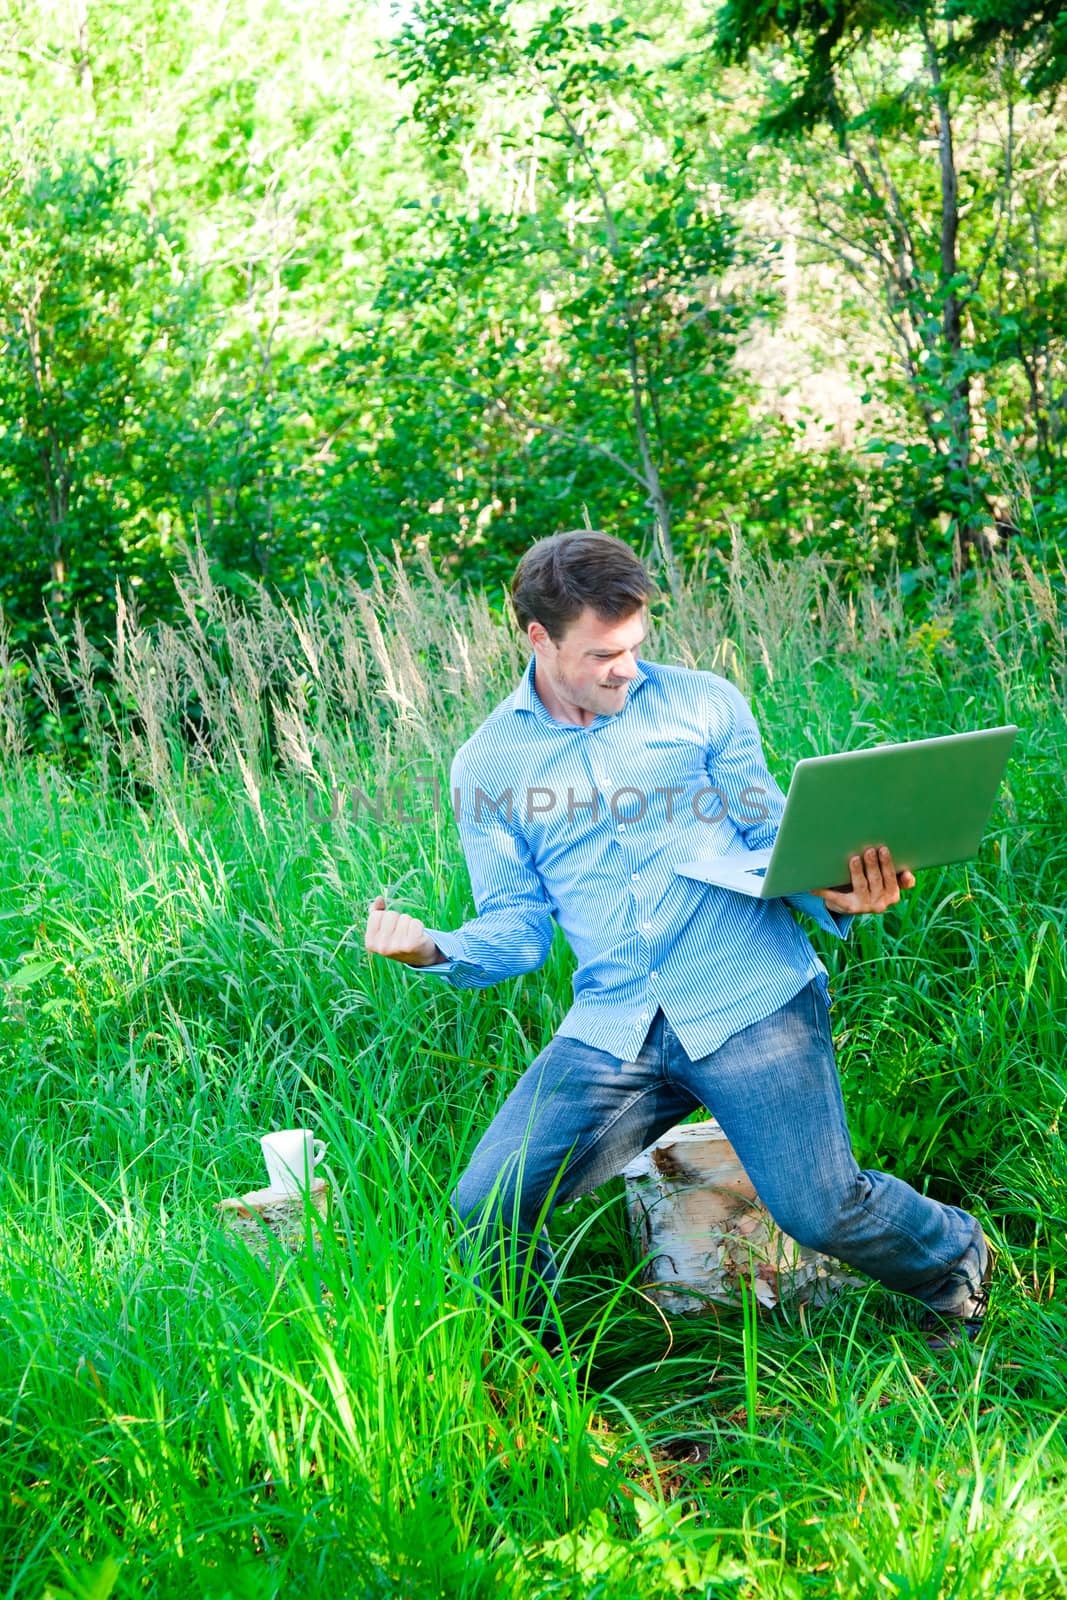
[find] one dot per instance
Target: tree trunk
(638, 383)
(956, 381)
(650, 471)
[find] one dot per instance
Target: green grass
(182, 966)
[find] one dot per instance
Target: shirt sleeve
(836, 922)
(513, 930)
(736, 764)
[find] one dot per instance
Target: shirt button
(653, 975)
(647, 926)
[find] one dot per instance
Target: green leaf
(31, 972)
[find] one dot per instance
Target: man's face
(595, 662)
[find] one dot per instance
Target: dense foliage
(307, 282)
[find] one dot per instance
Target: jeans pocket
(820, 1011)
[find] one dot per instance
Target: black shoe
(945, 1330)
(686, 1451)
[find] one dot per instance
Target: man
(576, 799)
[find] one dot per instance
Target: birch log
(268, 1218)
(695, 1214)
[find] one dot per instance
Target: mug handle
(318, 1151)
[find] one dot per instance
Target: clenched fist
(400, 937)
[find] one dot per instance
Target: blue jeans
(578, 1115)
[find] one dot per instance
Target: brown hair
(559, 577)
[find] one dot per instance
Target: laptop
(928, 800)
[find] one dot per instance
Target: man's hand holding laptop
(876, 885)
(926, 802)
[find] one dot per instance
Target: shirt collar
(526, 698)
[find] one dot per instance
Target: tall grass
(182, 965)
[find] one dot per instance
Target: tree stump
(695, 1214)
(269, 1219)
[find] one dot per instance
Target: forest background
(311, 282)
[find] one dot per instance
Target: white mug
(291, 1156)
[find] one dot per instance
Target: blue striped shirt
(583, 826)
